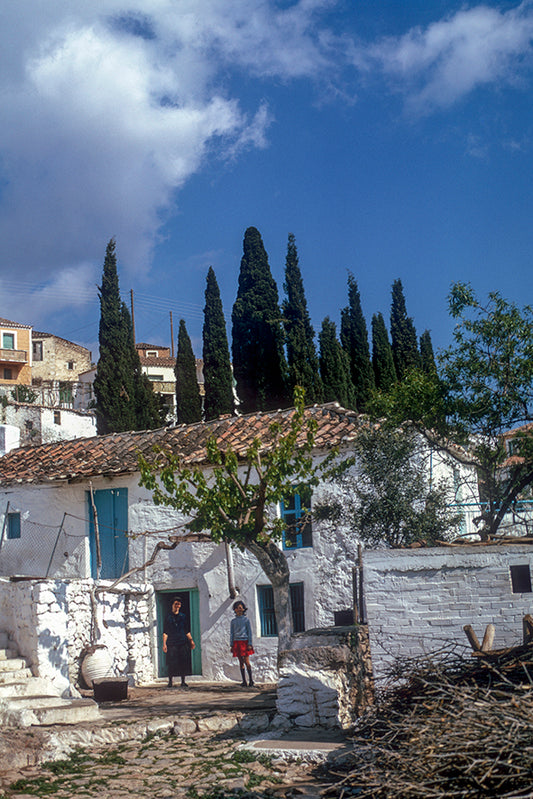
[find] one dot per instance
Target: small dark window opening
(8, 374)
(521, 579)
(343, 618)
(70, 365)
(57, 417)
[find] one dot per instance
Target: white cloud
(438, 65)
(109, 107)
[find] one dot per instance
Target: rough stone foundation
(325, 678)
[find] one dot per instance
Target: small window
(267, 616)
(343, 618)
(8, 341)
(156, 378)
(295, 512)
(13, 525)
(37, 348)
(152, 354)
(520, 579)
(70, 365)
(57, 417)
(8, 374)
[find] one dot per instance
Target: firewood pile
(452, 727)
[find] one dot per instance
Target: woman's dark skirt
(178, 660)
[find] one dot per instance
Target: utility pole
(132, 316)
(171, 335)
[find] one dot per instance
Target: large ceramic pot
(97, 663)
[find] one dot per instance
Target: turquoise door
(190, 606)
(112, 512)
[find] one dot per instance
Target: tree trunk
(274, 564)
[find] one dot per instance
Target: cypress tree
(403, 334)
(147, 405)
(259, 364)
(218, 377)
(188, 400)
(301, 352)
(382, 360)
(334, 367)
(354, 340)
(114, 384)
(427, 356)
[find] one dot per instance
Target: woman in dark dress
(177, 643)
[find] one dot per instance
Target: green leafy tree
(259, 363)
(354, 340)
(188, 400)
(334, 367)
(218, 377)
(403, 334)
(301, 351)
(427, 357)
(382, 360)
(234, 500)
(482, 399)
(114, 382)
(387, 497)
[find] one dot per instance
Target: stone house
(60, 502)
(57, 365)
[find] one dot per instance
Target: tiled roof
(9, 323)
(117, 454)
(163, 361)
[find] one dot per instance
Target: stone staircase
(26, 700)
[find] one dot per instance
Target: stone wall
(418, 601)
(325, 678)
(54, 622)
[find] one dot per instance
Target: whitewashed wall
(419, 600)
(325, 569)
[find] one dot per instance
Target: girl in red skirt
(241, 640)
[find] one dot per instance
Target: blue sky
(394, 139)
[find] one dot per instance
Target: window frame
(268, 627)
(304, 532)
(37, 350)
(13, 340)
(13, 526)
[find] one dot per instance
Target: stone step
(16, 713)
(5, 654)
(15, 675)
(12, 664)
(30, 687)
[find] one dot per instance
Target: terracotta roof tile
(118, 453)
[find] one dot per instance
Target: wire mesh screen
(39, 550)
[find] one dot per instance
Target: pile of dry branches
(453, 728)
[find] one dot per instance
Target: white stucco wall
(325, 569)
(41, 424)
(418, 601)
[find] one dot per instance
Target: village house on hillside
(159, 366)
(42, 394)
(54, 498)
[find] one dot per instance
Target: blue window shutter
(13, 525)
(296, 535)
